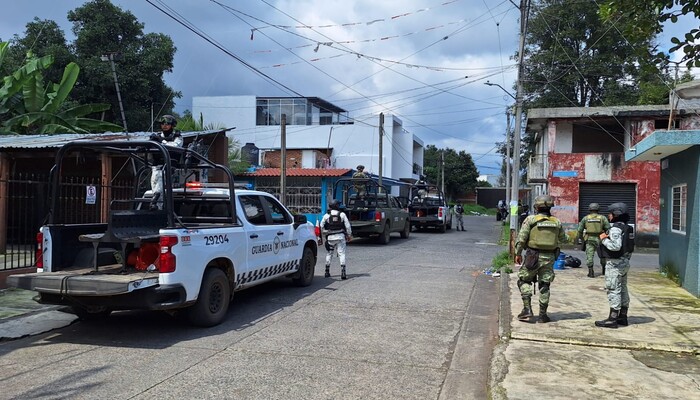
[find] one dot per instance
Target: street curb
(622, 345)
(499, 364)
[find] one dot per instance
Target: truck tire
(443, 228)
(307, 267)
(406, 229)
(213, 300)
(91, 313)
(385, 236)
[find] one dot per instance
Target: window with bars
(679, 201)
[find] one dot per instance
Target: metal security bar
(303, 195)
(27, 207)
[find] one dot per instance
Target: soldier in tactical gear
(617, 246)
(540, 235)
(459, 212)
(169, 137)
(337, 229)
(594, 224)
(360, 187)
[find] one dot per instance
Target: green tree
(647, 18)
(41, 38)
(102, 28)
(460, 171)
(28, 106)
(575, 59)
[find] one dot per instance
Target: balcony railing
(536, 171)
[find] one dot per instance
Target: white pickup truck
(187, 250)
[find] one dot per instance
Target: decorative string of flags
(347, 24)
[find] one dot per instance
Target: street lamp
(496, 84)
(111, 57)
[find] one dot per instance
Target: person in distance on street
(459, 212)
(338, 232)
(541, 235)
(594, 224)
(617, 246)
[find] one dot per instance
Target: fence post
(4, 182)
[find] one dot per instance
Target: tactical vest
(459, 209)
(627, 242)
(594, 224)
(544, 233)
(334, 224)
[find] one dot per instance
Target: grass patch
(501, 263)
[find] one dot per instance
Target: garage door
(606, 194)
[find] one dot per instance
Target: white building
(316, 126)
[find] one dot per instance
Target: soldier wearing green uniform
(541, 236)
(594, 224)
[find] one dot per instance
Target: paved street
(415, 320)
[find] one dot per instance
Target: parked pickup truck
(187, 249)
(371, 209)
(428, 208)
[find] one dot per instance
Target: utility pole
(508, 183)
(283, 160)
(381, 148)
(524, 13)
(442, 170)
(110, 57)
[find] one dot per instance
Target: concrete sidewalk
(21, 316)
(655, 357)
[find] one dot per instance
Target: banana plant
(28, 106)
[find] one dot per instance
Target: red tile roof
(306, 172)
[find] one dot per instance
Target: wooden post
(4, 177)
(106, 181)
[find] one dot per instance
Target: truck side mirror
(299, 219)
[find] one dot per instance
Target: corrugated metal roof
(58, 140)
(305, 172)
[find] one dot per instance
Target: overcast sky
(424, 61)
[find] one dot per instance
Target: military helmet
(617, 209)
(333, 204)
(360, 167)
(544, 201)
(594, 207)
(168, 119)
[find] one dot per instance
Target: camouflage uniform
(617, 246)
(594, 224)
(544, 273)
(360, 188)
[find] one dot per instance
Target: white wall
(352, 144)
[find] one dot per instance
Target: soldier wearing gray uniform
(336, 227)
(617, 247)
(594, 224)
(541, 235)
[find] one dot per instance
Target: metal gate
(303, 195)
(606, 194)
(27, 207)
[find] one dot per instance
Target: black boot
(591, 274)
(342, 272)
(526, 313)
(328, 271)
(603, 266)
(611, 322)
(544, 318)
(622, 318)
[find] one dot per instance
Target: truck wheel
(406, 230)
(213, 300)
(385, 235)
(443, 228)
(91, 313)
(307, 266)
